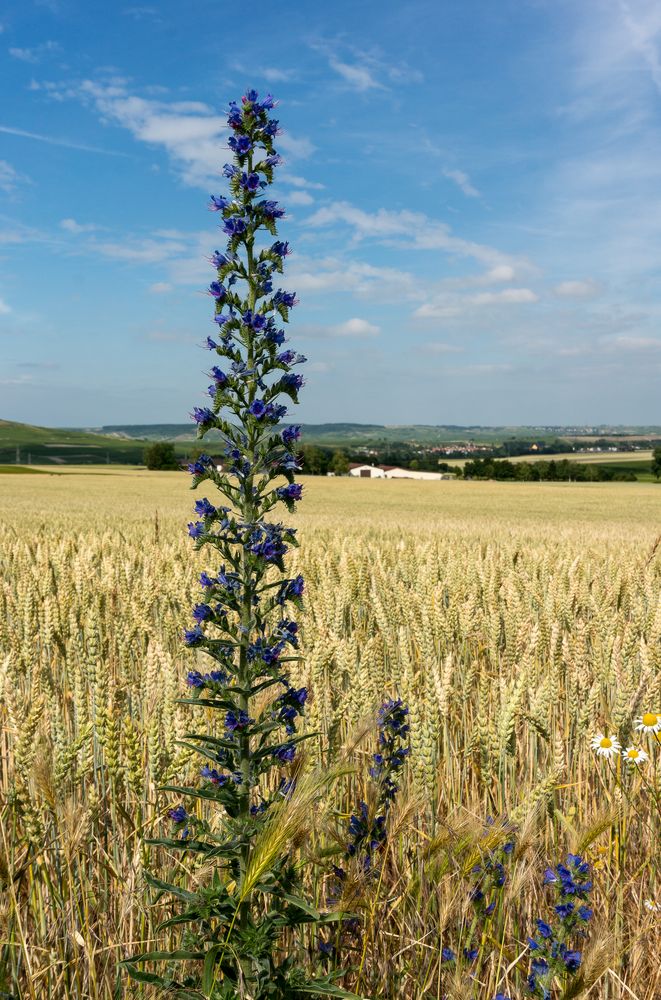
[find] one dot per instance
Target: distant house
(393, 472)
(366, 471)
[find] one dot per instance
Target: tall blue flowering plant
(239, 927)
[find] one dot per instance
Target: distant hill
(350, 435)
(25, 444)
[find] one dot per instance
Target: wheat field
(515, 620)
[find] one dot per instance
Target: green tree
(656, 463)
(160, 456)
(340, 463)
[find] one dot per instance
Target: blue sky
(472, 192)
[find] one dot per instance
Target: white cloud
(576, 289)
(632, 343)
(463, 181)
(146, 251)
(9, 178)
(410, 229)
(35, 54)
(448, 304)
(286, 178)
(358, 77)
(190, 132)
(275, 75)
(71, 226)
(355, 328)
(4, 308)
(503, 272)
(507, 295)
(54, 141)
(350, 328)
(328, 274)
(160, 288)
(299, 198)
(299, 148)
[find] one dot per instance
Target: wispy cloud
(463, 181)
(448, 304)
(56, 141)
(71, 226)
(577, 289)
(36, 54)
(4, 308)
(275, 75)
(355, 327)
(409, 229)
(190, 132)
(10, 178)
(358, 77)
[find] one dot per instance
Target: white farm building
(392, 472)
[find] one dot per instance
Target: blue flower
(219, 204)
(470, 954)
(564, 910)
(202, 415)
(195, 679)
(221, 319)
(195, 529)
(290, 434)
(202, 613)
(212, 775)
(229, 170)
(293, 491)
(292, 381)
(271, 210)
(193, 637)
(237, 721)
(572, 960)
(234, 118)
(285, 754)
(217, 291)
(290, 590)
(280, 249)
(287, 299)
(585, 913)
(257, 409)
(200, 466)
(234, 226)
(239, 144)
(250, 182)
(219, 376)
(178, 815)
(447, 955)
(204, 508)
(544, 928)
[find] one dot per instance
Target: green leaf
(174, 890)
(164, 956)
(209, 968)
(324, 987)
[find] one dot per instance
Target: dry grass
(515, 619)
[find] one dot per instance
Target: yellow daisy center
(605, 743)
(633, 754)
(650, 719)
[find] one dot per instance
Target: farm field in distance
(516, 620)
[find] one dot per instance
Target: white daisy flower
(652, 906)
(649, 722)
(634, 755)
(606, 746)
